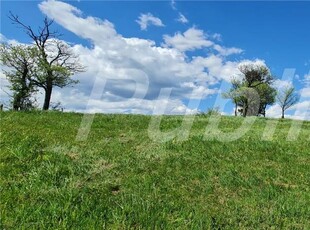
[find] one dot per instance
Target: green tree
(56, 60)
(287, 98)
(234, 95)
(253, 92)
(246, 99)
(21, 61)
(267, 95)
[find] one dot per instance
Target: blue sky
(213, 37)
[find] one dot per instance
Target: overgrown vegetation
(120, 179)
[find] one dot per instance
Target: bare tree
(287, 98)
(57, 63)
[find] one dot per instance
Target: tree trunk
(264, 112)
(15, 105)
(245, 110)
(17, 102)
(236, 108)
(282, 114)
(47, 99)
(48, 91)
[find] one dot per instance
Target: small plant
(213, 112)
(56, 106)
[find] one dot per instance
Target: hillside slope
(119, 178)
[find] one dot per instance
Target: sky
(172, 57)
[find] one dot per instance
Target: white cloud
(148, 19)
(4, 83)
(301, 110)
(306, 79)
(191, 39)
(2, 38)
(217, 68)
(305, 92)
(274, 111)
(304, 105)
(282, 84)
(69, 17)
(217, 37)
(227, 51)
(75, 101)
(173, 5)
(182, 19)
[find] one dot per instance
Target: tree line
(44, 64)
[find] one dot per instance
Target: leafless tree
(287, 98)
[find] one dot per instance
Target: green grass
(120, 179)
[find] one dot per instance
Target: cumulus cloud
(274, 111)
(191, 39)
(148, 19)
(227, 51)
(76, 101)
(301, 110)
(305, 92)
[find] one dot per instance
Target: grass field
(120, 179)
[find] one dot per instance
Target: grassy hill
(120, 179)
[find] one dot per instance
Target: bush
(212, 112)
